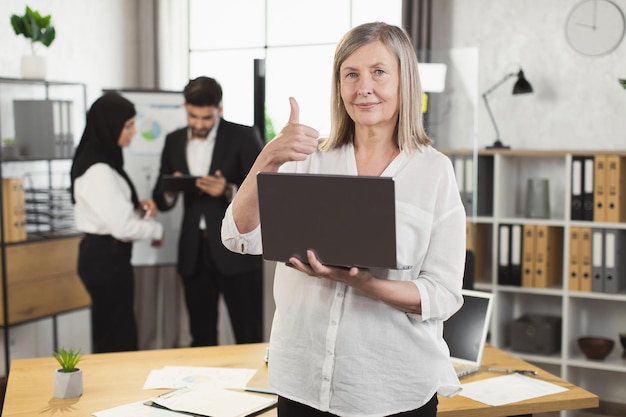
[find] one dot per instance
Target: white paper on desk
(508, 389)
(136, 410)
(206, 400)
(185, 376)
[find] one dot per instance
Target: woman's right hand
(295, 142)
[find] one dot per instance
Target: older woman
(365, 342)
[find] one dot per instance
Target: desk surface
(113, 379)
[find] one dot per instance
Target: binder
(468, 189)
(504, 242)
(39, 128)
(597, 260)
(577, 188)
(614, 261)
(528, 256)
(574, 259)
(13, 209)
(548, 256)
(484, 183)
(599, 188)
(59, 137)
(616, 194)
(587, 187)
(469, 236)
(586, 269)
(481, 234)
(460, 171)
(68, 135)
(515, 259)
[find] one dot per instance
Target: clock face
(595, 27)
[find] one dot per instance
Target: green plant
(68, 359)
(622, 82)
(9, 142)
(35, 27)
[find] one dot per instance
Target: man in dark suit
(220, 153)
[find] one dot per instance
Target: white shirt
(199, 156)
(104, 207)
(336, 349)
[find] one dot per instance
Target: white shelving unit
(582, 313)
(48, 287)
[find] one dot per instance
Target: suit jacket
(236, 148)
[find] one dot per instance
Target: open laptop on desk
(348, 220)
(466, 331)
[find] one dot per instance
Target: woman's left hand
(354, 277)
(148, 209)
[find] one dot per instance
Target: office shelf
(500, 200)
(38, 274)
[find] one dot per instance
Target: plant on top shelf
(68, 359)
(34, 27)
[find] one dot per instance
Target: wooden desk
(114, 379)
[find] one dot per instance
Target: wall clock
(595, 27)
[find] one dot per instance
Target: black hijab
(105, 121)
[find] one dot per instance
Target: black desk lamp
(522, 86)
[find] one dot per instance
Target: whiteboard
(158, 113)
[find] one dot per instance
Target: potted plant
(68, 380)
(38, 29)
(9, 149)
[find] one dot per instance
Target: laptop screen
(466, 331)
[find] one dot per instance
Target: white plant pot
(33, 67)
(68, 384)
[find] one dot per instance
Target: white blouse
(104, 207)
(335, 349)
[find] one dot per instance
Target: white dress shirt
(199, 156)
(338, 350)
(104, 207)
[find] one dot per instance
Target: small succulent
(68, 359)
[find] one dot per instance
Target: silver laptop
(347, 220)
(466, 331)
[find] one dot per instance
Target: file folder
(463, 169)
(528, 257)
(468, 191)
(574, 259)
(599, 188)
(586, 269)
(504, 242)
(577, 212)
(13, 209)
(597, 260)
(616, 194)
(484, 191)
(614, 261)
(42, 127)
(516, 255)
(587, 187)
(548, 256)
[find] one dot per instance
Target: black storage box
(535, 333)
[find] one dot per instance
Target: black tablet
(176, 183)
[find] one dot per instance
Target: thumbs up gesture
(295, 142)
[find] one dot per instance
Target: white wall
(577, 102)
(95, 44)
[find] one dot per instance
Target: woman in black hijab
(109, 213)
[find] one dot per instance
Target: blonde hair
(410, 133)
